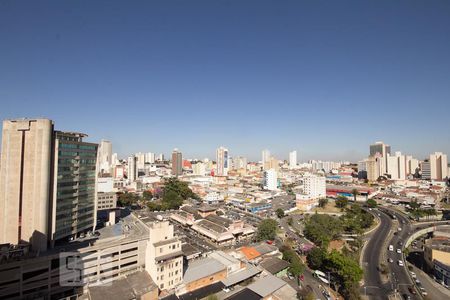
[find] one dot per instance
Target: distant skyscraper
(380, 149)
(149, 158)
(266, 159)
(132, 168)
(425, 168)
(105, 156)
(438, 166)
(177, 163)
(396, 166)
(222, 161)
(293, 159)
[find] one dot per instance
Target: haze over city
(323, 78)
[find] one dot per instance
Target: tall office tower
(149, 158)
(177, 163)
(160, 157)
(425, 167)
(164, 258)
(222, 161)
(293, 159)
(438, 166)
(74, 185)
(132, 169)
(104, 157)
(266, 159)
(270, 180)
(397, 166)
(380, 149)
(25, 181)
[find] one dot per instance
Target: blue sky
(326, 78)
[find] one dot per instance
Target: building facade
(222, 161)
(26, 181)
(177, 163)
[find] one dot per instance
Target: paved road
(373, 286)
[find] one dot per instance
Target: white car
(400, 263)
(391, 248)
(399, 251)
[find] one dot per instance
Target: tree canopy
(321, 229)
(280, 213)
(341, 202)
(267, 230)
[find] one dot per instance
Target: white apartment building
(132, 169)
(105, 157)
(265, 159)
(411, 165)
(293, 159)
(164, 258)
(199, 168)
(222, 161)
(438, 166)
(149, 157)
(314, 186)
(270, 180)
(396, 166)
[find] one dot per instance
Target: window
(160, 250)
(162, 286)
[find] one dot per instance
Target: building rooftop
(241, 275)
(439, 243)
(131, 287)
(274, 265)
(166, 242)
(267, 285)
(245, 294)
(202, 268)
(219, 220)
(250, 252)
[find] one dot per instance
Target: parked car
(400, 263)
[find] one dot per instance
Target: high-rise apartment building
(26, 181)
(293, 159)
(270, 180)
(222, 161)
(396, 166)
(239, 162)
(380, 150)
(105, 157)
(74, 188)
(412, 165)
(266, 159)
(47, 183)
(314, 187)
(425, 167)
(132, 170)
(199, 168)
(177, 163)
(438, 166)
(149, 158)
(164, 258)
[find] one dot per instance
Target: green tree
(267, 230)
(372, 203)
(280, 213)
(147, 195)
(290, 221)
(172, 200)
(321, 229)
(355, 193)
(316, 257)
(323, 202)
(296, 265)
(341, 202)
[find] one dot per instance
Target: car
(400, 263)
(399, 251)
(391, 248)
(413, 275)
(226, 290)
(406, 297)
(412, 290)
(399, 229)
(390, 260)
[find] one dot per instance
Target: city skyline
(326, 80)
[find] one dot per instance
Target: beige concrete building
(25, 181)
(438, 166)
(164, 258)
